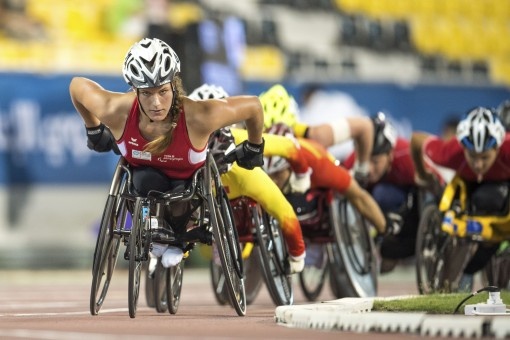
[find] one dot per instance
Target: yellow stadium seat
(263, 63)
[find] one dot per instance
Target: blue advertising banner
(42, 138)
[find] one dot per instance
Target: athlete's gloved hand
(300, 183)
(247, 155)
(394, 223)
(362, 174)
(100, 139)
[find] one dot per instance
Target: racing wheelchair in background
(127, 219)
(338, 244)
(264, 251)
(450, 232)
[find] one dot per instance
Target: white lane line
(102, 311)
(56, 335)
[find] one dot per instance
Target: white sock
(171, 257)
(158, 249)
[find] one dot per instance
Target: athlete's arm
(282, 146)
(206, 116)
(417, 142)
(96, 105)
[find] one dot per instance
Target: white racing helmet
(480, 130)
(207, 91)
(150, 63)
(275, 164)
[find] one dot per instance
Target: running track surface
(55, 305)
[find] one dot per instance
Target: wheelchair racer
(284, 166)
(391, 182)
(160, 132)
(255, 184)
(280, 107)
(480, 156)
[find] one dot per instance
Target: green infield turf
(434, 303)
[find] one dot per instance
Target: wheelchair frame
(268, 257)
(443, 251)
(216, 224)
(351, 260)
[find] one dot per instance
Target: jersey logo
(133, 141)
(141, 155)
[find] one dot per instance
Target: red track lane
(54, 305)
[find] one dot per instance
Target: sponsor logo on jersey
(133, 141)
(141, 155)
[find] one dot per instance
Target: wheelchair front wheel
(136, 255)
(174, 277)
(159, 288)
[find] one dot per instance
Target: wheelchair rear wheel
(273, 257)
(253, 279)
(225, 237)
(353, 261)
(173, 280)
(313, 276)
(430, 244)
(107, 250)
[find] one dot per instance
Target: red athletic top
(450, 154)
(401, 172)
(180, 160)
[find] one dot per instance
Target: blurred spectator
(449, 127)
(15, 23)
(504, 113)
(126, 18)
(324, 106)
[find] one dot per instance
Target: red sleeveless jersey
(180, 160)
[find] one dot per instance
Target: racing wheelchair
(338, 244)
(127, 219)
(265, 250)
(450, 232)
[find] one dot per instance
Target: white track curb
(354, 315)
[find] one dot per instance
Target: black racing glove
(394, 223)
(100, 139)
(247, 155)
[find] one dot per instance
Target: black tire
(159, 287)
(253, 279)
(440, 258)
(149, 286)
(430, 244)
(174, 277)
(106, 251)
(225, 236)
(136, 255)
(253, 276)
(273, 258)
(218, 282)
(313, 278)
(353, 260)
(497, 271)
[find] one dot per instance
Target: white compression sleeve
(341, 130)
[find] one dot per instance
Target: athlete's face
(480, 163)
(281, 177)
(156, 101)
(379, 165)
